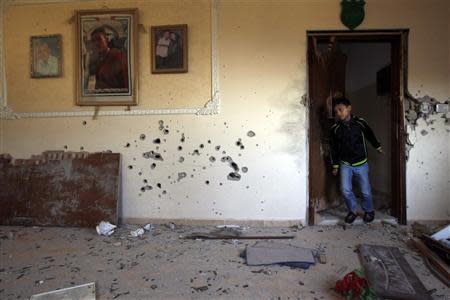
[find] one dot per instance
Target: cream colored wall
(262, 55)
(155, 91)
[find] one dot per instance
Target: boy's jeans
(361, 174)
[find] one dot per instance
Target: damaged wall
(262, 56)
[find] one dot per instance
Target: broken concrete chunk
(105, 228)
(148, 227)
(137, 232)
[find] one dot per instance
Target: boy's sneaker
(350, 218)
(369, 216)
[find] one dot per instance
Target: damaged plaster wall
(262, 56)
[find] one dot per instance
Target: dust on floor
(160, 265)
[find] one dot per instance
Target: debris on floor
(442, 237)
(80, 292)
(232, 234)
(270, 253)
(434, 262)
(148, 227)
(137, 232)
(434, 248)
(389, 274)
(105, 228)
(354, 285)
(160, 265)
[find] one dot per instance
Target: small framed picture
(46, 56)
(106, 57)
(169, 49)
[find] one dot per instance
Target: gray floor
(160, 265)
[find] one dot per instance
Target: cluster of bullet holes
(204, 149)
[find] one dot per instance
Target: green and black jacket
(348, 142)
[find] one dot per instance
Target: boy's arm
(369, 134)
(334, 147)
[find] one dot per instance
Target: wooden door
(326, 80)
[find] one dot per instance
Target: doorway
(367, 67)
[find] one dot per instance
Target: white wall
(262, 54)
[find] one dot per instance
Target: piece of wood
(207, 236)
(60, 188)
(433, 258)
(82, 292)
(438, 247)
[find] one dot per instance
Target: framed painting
(46, 56)
(169, 49)
(106, 58)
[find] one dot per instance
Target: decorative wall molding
(211, 107)
(2, 57)
(6, 113)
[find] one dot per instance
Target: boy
(349, 154)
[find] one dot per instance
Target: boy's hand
(380, 151)
(335, 172)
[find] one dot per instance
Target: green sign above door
(352, 13)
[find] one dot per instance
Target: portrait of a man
(46, 56)
(169, 45)
(107, 54)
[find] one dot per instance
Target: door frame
(398, 38)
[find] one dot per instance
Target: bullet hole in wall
(234, 175)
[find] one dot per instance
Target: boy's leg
(346, 187)
(362, 177)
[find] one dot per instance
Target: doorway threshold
(336, 216)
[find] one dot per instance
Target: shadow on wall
(292, 102)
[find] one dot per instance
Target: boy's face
(343, 112)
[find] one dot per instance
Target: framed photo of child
(106, 58)
(169, 46)
(46, 56)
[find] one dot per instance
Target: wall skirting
(211, 107)
(213, 222)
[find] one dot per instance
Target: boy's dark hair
(341, 100)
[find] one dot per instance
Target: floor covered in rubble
(160, 265)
